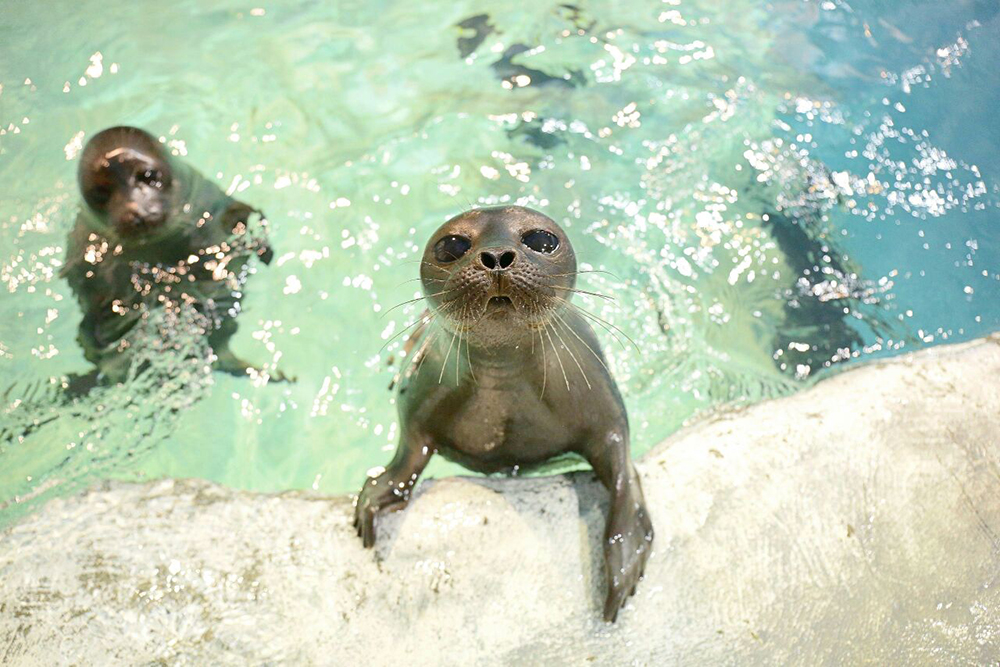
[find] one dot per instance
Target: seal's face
(498, 274)
(126, 181)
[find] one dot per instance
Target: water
(780, 190)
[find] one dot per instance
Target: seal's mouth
(500, 302)
(132, 225)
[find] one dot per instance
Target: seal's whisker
(418, 261)
(468, 355)
(577, 273)
(593, 317)
(603, 321)
(608, 329)
(545, 365)
(572, 356)
(444, 364)
(532, 342)
(419, 298)
(458, 352)
(583, 291)
(435, 267)
(413, 280)
(448, 304)
(421, 354)
(545, 327)
(585, 343)
(425, 317)
(472, 206)
(414, 336)
(407, 346)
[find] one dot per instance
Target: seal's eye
(451, 248)
(99, 195)
(541, 241)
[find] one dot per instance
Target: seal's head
(126, 181)
(498, 275)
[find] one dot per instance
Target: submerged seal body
(143, 207)
(508, 375)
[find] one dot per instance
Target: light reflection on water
(776, 189)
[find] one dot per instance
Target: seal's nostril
(497, 260)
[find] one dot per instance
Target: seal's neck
(511, 343)
(510, 356)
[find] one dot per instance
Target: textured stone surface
(856, 521)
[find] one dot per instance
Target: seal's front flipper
(627, 542)
(266, 253)
(237, 219)
(227, 362)
(390, 491)
(628, 537)
(76, 386)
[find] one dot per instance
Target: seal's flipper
(226, 360)
(236, 220)
(390, 491)
(266, 253)
(77, 386)
(628, 536)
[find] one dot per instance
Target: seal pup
(141, 207)
(531, 383)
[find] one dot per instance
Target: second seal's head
(499, 274)
(126, 181)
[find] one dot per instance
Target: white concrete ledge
(858, 521)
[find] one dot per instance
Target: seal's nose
(497, 259)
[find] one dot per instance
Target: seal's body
(507, 374)
(142, 207)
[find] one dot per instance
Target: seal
(143, 207)
(507, 375)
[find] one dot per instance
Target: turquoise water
(779, 190)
